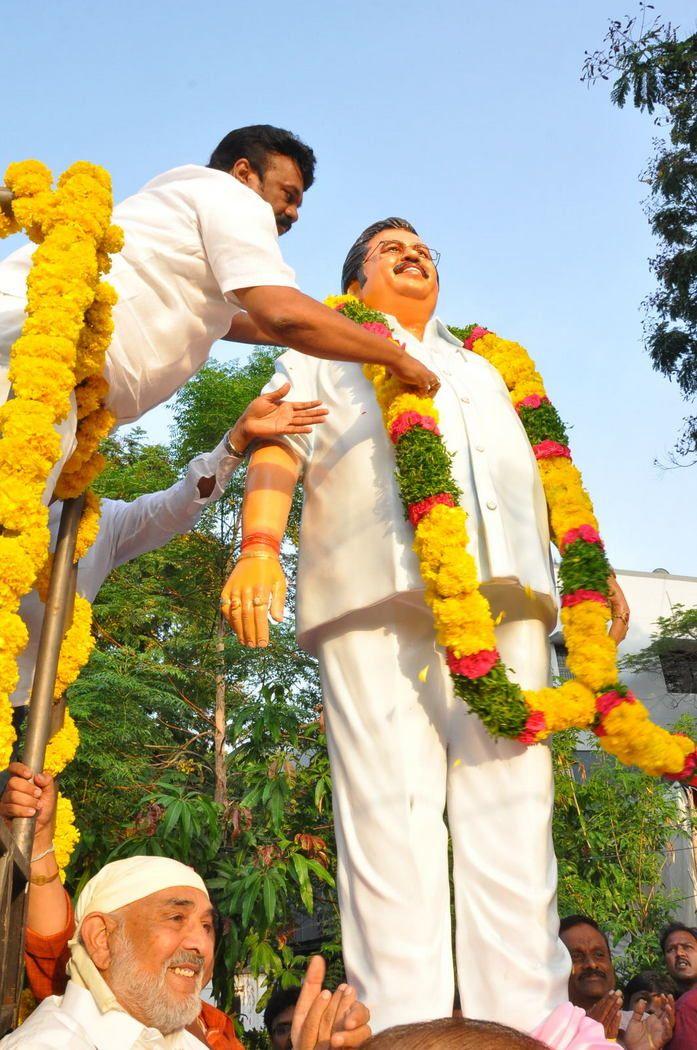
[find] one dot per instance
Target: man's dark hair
(649, 981)
(676, 927)
(582, 920)
(255, 143)
(280, 1000)
(353, 263)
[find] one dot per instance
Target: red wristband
(261, 537)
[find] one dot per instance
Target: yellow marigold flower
(18, 572)
(66, 836)
(26, 178)
(89, 525)
(7, 733)
(62, 747)
(76, 648)
(411, 403)
(332, 301)
(570, 706)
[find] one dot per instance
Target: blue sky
(466, 117)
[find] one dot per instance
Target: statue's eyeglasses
(399, 248)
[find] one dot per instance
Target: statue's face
(398, 266)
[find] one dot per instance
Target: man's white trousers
(403, 750)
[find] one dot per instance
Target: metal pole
(60, 593)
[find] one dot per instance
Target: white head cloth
(117, 884)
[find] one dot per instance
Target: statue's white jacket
(355, 543)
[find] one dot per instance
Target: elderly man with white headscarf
(141, 952)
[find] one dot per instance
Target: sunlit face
(162, 955)
(398, 264)
(282, 187)
(592, 972)
(680, 952)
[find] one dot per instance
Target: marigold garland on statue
(61, 350)
(594, 698)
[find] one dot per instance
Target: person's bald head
(452, 1033)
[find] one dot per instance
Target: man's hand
(322, 1020)
(256, 586)
(22, 798)
(607, 1012)
(413, 373)
(651, 1031)
(268, 415)
(619, 610)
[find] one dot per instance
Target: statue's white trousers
(404, 751)
(11, 320)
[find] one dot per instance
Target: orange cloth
(45, 960)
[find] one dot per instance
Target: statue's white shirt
(355, 544)
(193, 236)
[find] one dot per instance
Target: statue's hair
(452, 1033)
(353, 263)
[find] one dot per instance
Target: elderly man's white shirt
(193, 236)
(355, 544)
(74, 1022)
(126, 530)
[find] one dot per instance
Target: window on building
(563, 672)
(679, 666)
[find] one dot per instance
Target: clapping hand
(323, 1019)
(651, 1031)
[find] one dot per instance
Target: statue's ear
(354, 289)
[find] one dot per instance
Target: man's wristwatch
(230, 448)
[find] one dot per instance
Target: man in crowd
(201, 250)
(592, 987)
(278, 1017)
(401, 744)
(679, 946)
(140, 945)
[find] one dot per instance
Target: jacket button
(491, 504)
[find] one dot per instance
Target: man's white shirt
(127, 529)
(355, 543)
(193, 237)
(74, 1022)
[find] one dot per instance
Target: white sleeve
(239, 236)
(301, 372)
(155, 518)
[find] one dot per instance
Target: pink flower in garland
(532, 401)
(583, 532)
(688, 770)
(476, 333)
(418, 510)
(582, 595)
(377, 328)
(407, 420)
(607, 702)
(476, 665)
(548, 449)
(534, 725)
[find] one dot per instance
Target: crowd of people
(127, 964)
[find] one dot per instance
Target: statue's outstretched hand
(255, 587)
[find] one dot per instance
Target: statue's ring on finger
(224, 603)
(257, 600)
(234, 603)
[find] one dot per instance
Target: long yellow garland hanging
(594, 698)
(61, 352)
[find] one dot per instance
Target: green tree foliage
(614, 828)
(657, 70)
(672, 650)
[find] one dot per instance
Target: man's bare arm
(293, 319)
(244, 330)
